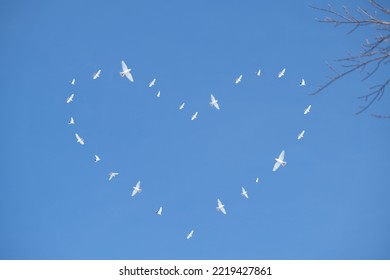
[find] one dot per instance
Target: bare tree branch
(374, 54)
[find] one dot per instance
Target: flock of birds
(126, 72)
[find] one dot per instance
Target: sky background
(331, 201)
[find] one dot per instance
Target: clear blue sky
(331, 201)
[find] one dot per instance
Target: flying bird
(137, 189)
(244, 193)
(281, 73)
(257, 180)
(238, 80)
(97, 158)
(182, 106)
(97, 74)
(112, 175)
(71, 121)
(194, 116)
(152, 83)
(73, 81)
(220, 207)
(259, 73)
(302, 83)
(126, 72)
(158, 94)
(214, 102)
(79, 139)
(159, 211)
(190, 234)
(300, 136)
(307, 110)
(70, 98)
(279, 161)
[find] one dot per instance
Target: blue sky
(331, 201)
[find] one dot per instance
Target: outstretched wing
(129, 76)
(276, 166)
(216, 105)
(134, 192)
(281, 156)
(223, 210)
(212, 98)
(124, 66)
(219, 203)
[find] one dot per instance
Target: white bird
(300, 136)
(279, 161)
(159, 211)
(70, 98)
(126, 72)
(71, 121)
(190, 234)
(238, 80)
(194, 116)
(79, 139)
(97, 74)
(214, 102)
(158, 94)
(73, 81)
(302, 83)
(244, 193)
(307, 110)
(220, 207)
(257, 180)
(182, 106)
(97, 158)
(259, 73)
(281, 73)
(152, 83)
(137, 189)
(112, 175)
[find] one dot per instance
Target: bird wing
(78, 137)
(212, 98)
(129, 76)
(219, 203)
(276, 166)
(216, 105)
(223, 210)
(124, 66)
(281, 156)
(134, 192)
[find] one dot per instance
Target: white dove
(97, 74)
(137, 189)
(194, 116)
(152, 83)
(190, 234)
(238, 80)
(112, 175)
(244, 193)
(126, 72)
(214, 102)
(279, 161)
(300, 136)
(307, 110)
(70, 98)
(281, 73)
(220, 207)
(79, 139)
(159, 211)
